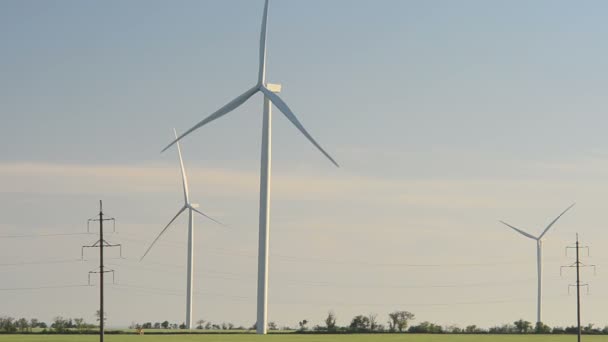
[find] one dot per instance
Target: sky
(445, 117)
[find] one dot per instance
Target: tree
(147, 325)
(373, 322)
(542, 328)
(559, 330)
(7, 324)
(230, 326)
(34, 323)
(590, 330)
(157, 325)
(22, 324)
(199, 323)
(503, 329)
(302, 325)
(272, 326)
(330, 321)
(471, 329)
(453, 329)
(60, 324)
(165, 325)
(426, 328)
(523, 327)
(208, 326)
(79, 323)
(399, 320)
(105, 317)
(359, 323)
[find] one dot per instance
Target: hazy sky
(445, 116)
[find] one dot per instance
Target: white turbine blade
(282, 106)
(519, 231)
(553, 222)
(163, 231)
(209, 217)
(230, 106)
(184, 177)
(262, 71)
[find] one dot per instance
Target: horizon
(445, 118)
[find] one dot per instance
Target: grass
(301, 338)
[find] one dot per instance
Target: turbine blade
(184, 177)
(162, 232)
(209, 217)
(519, 231)
(262, 71)
(282, 106)
(230, 106)
(553, 222)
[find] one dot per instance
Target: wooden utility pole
(101, 243)
(578, 265)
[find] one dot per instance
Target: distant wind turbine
(191, 207)
(270, 97)
(539, 256)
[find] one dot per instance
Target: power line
(39, 235)
(374, 264)
(50, 262)
(298, 259)
(174, 292)
(211, 274)
(41, 287)
(179, 293)
(207, 293)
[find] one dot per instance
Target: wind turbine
(270, 98)
(192, 208)
(539, 256)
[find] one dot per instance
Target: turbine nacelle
(275, 88)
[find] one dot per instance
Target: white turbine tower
(191, 207)
(270, 97)
(539, 256)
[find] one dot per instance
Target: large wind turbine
(270, 97)
(539, 256)
(191, 207)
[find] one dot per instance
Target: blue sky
(446, 116)
(402, 75)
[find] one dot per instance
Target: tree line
(60, 325)
(396, 322)
(399, 322)
(200, 325)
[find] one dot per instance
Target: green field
(301, 338)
